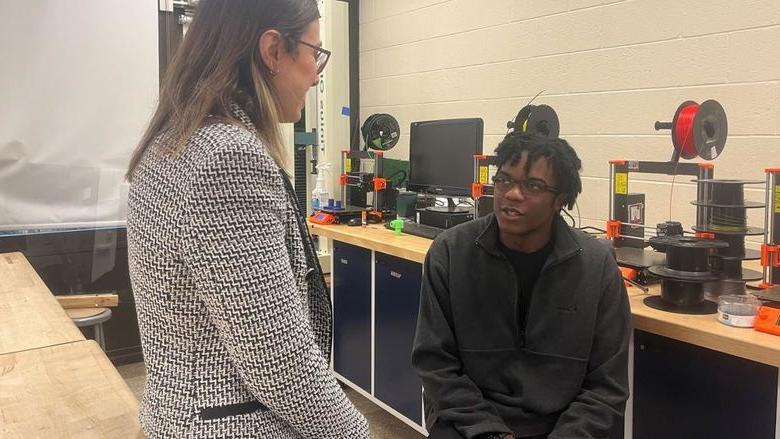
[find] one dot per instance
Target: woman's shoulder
(227, 143)
(223, 135)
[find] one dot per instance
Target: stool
(91, 317)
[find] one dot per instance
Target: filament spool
(540, 120)
(687, 268)
(698, 130)
(713, 290)
(726, 213)
(726, 208)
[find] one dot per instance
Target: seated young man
(524, 321)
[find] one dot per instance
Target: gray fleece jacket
(564, 374)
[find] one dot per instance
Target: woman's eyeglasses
(321, 58)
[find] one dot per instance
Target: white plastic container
(738, 310)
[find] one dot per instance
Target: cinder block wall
(609, 68)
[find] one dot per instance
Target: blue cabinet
(397, 298)
(685, 391)
(352, 313)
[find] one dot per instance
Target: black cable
(402, 180)
(579, 217)
(573, 221)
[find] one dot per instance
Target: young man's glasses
(529, 186)
(322, 55)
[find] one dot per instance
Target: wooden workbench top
(30, 316)
(70, 390)
(377, 237)
(703, 331)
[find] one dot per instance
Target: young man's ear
(270, 47)
(559, 202)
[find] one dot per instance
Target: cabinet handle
(395, 274)
(344, 261)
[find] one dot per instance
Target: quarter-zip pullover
(564, 375)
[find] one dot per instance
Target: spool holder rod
(668, 126)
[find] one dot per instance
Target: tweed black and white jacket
(234, 315)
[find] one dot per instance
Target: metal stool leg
(99, 337)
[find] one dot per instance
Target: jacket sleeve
(455, 397)
(235, 247)
(596, 410)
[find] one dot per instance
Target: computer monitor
(441, 156)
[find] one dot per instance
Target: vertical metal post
(475, 181)
(378, 193)
(476, 168)
(703, 193)
(612, 190)
(770, 238)
(344, 174)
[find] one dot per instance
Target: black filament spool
(713, 290)
(731, 269)
(732, 217)
(728, 193)
(736, 248)
(681, 297)
(726, 207)
(691, 259)
(681, 293)
(687, 258)
(687, 268)
(729, 219)
(540, 120)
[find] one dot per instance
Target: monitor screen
(441, 156)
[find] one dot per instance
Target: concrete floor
(383, 425)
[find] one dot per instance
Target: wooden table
(69, 390)
(54, 382)
(704, 330)
(377, 237)
(30, 316)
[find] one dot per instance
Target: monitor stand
(450, 208)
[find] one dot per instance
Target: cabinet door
(397, 301)
(352, 313)
(685, 391)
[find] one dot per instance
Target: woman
(234, 315)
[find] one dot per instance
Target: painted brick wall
(610, 69)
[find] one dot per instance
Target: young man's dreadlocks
(561, 156)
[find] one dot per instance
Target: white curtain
(78, 83)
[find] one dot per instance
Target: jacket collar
(241, 114)
(566, 243)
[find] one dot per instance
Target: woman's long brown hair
(217, 63)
